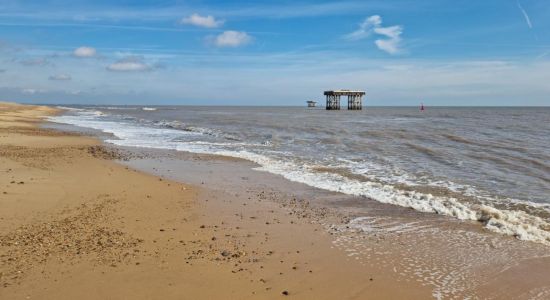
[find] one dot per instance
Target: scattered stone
(66, 239)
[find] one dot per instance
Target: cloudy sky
(440, 52)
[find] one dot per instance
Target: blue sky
(440, 52)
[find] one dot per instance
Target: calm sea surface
(486, 164)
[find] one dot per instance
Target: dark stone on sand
(284, 293)
(202, 226)
(225, 253)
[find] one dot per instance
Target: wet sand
(454, 259)
(76, 224)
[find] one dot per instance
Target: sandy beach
(82, 219)
(75, 224)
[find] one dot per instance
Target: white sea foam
(510, 222)
(69, 108)
(115, 107)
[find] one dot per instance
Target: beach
(81, 218)
(76, 224)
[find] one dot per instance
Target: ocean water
(491, 165)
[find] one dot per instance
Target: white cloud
(198, 20)
(525, 15)
(129, 64)
(365, 28)
(32, 91)
(61, 77)
(392, 44)
(85, 52)
(232, 38)
(373, 24)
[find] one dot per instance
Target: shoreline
(255, 237)
(452, 258)
(496, 211)
(129, 234)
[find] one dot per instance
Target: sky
(402, 52)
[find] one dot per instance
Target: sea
(485, 164)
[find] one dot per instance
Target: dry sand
(75, 224)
